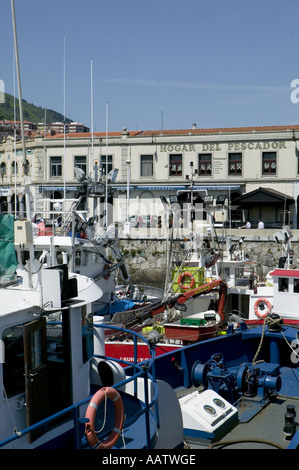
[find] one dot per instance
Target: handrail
(141, 371)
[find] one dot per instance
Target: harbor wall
(146, 258)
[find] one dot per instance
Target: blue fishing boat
(240, 390)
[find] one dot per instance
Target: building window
(3, 169)
(103, 164)
(80, 162)
(205, 164)
(175, 165)
(269, 163)
(14, 168)
(234, 163)
(146, 165)
(55, 166)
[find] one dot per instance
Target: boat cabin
(286, 292)
(46, 333)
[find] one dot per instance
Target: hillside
(30, 111)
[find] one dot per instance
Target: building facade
(256, 169)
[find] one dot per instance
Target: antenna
(161, 111)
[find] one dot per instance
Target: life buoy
(91, 412)
(262, 308)
(106, 268)
(181, 279)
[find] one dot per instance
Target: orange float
(91, 412)
(181, 281)
(267, 307)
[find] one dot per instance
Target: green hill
(30, 111)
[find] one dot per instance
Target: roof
(285, 272)
(188, 132)
(264, 196)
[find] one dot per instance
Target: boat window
(13, 366)
(239, 272)
(36, 349)
(58, 360)
(59, 257)
(87, 334)
(78, 258)
(283, 284)
(296, 285)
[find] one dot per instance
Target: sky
(160, 64)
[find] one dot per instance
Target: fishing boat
(55, 374)
(278, 292)
(239, 390)
(47, 370)
(169, 323)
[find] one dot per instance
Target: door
(36, 374)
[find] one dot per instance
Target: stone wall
(147, 258)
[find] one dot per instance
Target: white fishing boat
(48, 371)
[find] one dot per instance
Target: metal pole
(64, 150)
(106, 196)
(28, 203)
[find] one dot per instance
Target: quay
(146, 250)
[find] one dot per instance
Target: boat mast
(15, 129)
(64, 150)
(106, 188)
(26, 179)
(26, 182)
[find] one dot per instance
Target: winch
(259, 381)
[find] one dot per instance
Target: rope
(104, 422)
(293, 350)
(270, 322)
(16, 431)
(105, 415)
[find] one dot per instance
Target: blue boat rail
(140, 371)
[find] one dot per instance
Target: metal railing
(78, 423)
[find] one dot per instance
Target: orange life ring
(106, 268)
(181, 279)
(264, 302)
(91, 412)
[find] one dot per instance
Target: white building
(256, 169)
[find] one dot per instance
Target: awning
(264, 197)
(57, 188)
(196, 187)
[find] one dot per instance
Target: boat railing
(140, 371)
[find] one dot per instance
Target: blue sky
(221, 63)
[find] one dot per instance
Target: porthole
(219, 403)
(209, 409)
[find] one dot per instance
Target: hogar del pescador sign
(231, 146)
